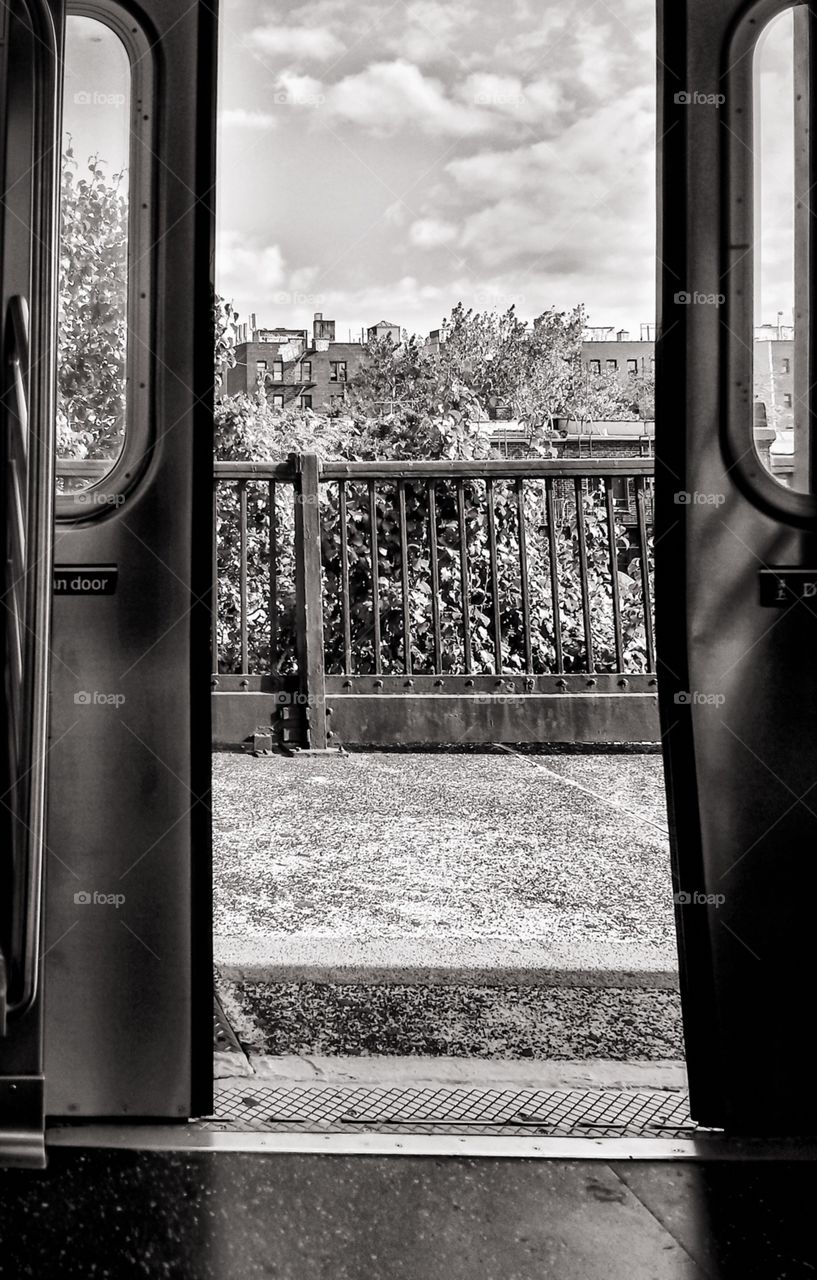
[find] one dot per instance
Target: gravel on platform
(475, 1022)
(382, 845)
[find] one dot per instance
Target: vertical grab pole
(309, 599)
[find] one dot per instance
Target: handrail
(27, 913)
(436, 469)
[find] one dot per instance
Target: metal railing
(489, 585)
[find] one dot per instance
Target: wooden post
(309, 599)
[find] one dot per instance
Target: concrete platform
(443, 868)
(465, 905)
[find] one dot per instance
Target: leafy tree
(225, 322)
(92, 309)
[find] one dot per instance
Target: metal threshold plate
(608, 1113)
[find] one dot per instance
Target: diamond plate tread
(556, 1113)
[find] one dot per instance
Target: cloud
(293, 90)
(315, 44)
(247, 270)
(431, 233)
(535, 102)
(239, 118)
(388, 96)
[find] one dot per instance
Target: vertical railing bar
(466, 595)
(578, 489)
(272, 511)
(524, 581)
(611, 537)
(553, 559)
(646, 595)
(404, 576)
(242, 497)
(494, 570)
(309, 601)
(345, 608)
(435, 576)
(375, 575)
(214, 596)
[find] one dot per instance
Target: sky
(383, 161)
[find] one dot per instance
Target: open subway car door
(29, 55)
(128, 975)
(736, 549)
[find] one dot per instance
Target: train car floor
(220, 1216)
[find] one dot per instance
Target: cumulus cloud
(431, 233)
(245, 269)
(309, 43)
(533, 102)
(239, 118)
(298, 91)
(388, 96)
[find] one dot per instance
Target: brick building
(296, 368)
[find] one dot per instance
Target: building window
(278, 371)
(278, 400)
(787, 401)
(306, 371)
(260, 370)
(594, 366)
(632, 367)
(785, 366)
(337, 371)
(306, 402)
(612, 365)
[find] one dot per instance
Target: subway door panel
(129, 976)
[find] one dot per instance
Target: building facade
(295, 368)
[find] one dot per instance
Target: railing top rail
(495, 468)
(254, 471)
(445, 469)
(437, 469)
